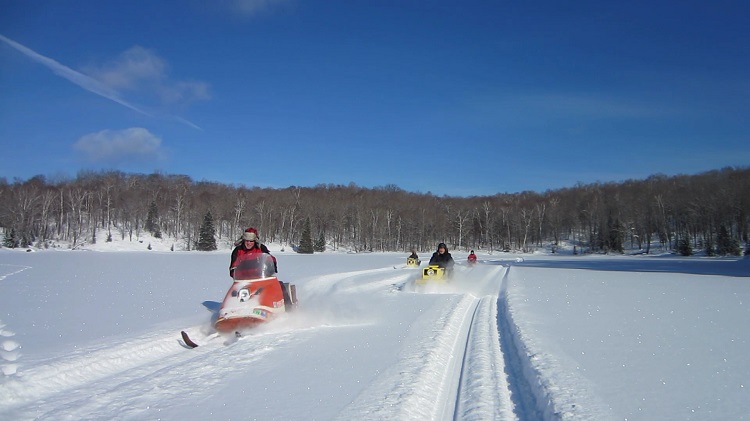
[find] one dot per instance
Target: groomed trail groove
(522, 378)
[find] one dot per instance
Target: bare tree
(598, 216)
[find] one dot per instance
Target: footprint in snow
(9, 351)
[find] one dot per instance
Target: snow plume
(118, 146)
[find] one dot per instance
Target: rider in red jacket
(249, 244)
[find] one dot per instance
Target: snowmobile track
(464, 364)
(127, 367)
(521, 376)
(475, 397)
(443, 374)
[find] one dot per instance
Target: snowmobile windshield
(253, 266)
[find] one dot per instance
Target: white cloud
(138, 71)
(142, 71)
(184, 92)
(80, 79)
(131, 69)
(120, 146)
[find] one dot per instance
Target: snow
(93, 335)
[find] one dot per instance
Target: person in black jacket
(442, 258)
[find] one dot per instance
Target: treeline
(708, 211)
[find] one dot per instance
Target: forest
(707, 212)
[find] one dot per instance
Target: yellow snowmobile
(432, 273)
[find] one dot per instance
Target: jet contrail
(86, 82)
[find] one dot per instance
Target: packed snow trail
(96, 336)
(439, 359)
(133, 378)
(451, 365)
(476, 398)
(119, 376)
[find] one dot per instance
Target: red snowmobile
(256, 295)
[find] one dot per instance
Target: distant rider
(472, 257)
(442, 258)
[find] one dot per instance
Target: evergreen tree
(152, 220)
(27, 239)
(615, 239)
(710, 248)
(725, 244)
(684, 247)
(306, 243)
(320, 244)
(11, 240)
(207, 235)
(597, 241)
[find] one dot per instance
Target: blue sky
(454, 98)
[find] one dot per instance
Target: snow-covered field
(93, 335)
